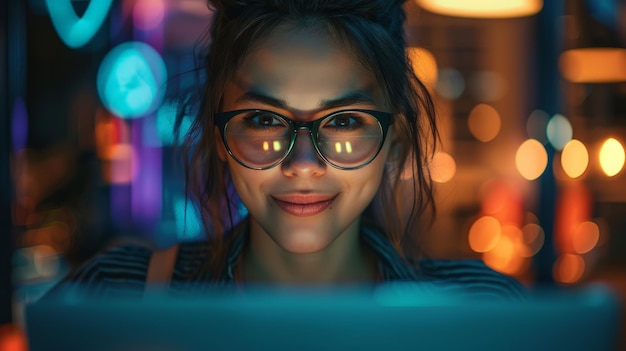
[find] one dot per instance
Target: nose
(303, 160)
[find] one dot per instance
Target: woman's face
(304, 205)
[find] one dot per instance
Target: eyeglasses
(260, 139)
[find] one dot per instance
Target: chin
(303, 242)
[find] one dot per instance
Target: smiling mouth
(302, 206)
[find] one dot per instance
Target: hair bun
(387, 13)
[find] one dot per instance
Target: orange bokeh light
(484, 234)
(585, 237)
(443, 167)
(12, 338)
(483, 8)
(531, 159)
(574, 158)
(503, 201)
(569, 268)
(533, 238)
(505, 257)
(612, 157)
(573, 207)
(593, 65)
(484, 122)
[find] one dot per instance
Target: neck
(344, 261)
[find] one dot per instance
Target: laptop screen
(389, 317)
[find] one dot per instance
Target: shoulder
(115, 269)
(122, 270)
(472, 277)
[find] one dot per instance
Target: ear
(219, 145)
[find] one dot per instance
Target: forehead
(303, 68)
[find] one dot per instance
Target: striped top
(121, 271)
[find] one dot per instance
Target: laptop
(388, 317)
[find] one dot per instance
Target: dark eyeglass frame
(384, 121)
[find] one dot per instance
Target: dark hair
(373, 29)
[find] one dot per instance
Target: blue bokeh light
(131, 80)
(76, 31)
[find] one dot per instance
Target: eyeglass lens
(260, 139)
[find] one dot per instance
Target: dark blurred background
(530, 176)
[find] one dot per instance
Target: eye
(345, 121)
(342, 121)
(263, 120)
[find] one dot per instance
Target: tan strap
(161, 268)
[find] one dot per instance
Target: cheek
(249, 183)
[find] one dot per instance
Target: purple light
(19, 125)
(120, 209)
(147, 183)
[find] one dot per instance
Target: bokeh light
(484, 122)
(442, 167)
(76, 31)
(123, 165)
(148, 14)
(612, 157)
(19, 124)
(424, 65)
(593, 65)
(109, 131)
(531, 159)
(502, 200)
(484, 234)
(12, 338)
(450, 83)
(483, 8)
(488, 86)
(533, 237)
(574, 158)
(568, 268)
(507, 255)
(559, 131)
(131, 80)
(585, 237)
(537, 124)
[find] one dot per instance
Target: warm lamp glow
(531, 159)
(612, 157)
(424, 65)
(593, 65)
(483, 8)
(574, 158)
(484, 122)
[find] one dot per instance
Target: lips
(304, 205)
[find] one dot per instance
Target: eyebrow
(350, 98)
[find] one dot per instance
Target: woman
(313, 119)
